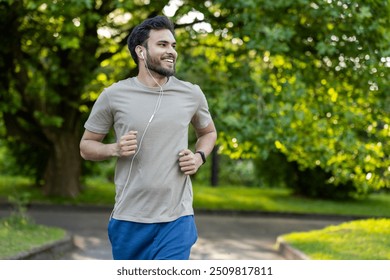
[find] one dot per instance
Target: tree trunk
(63, 170)
(215, 167)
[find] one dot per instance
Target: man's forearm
(97, 151)
(206, 142)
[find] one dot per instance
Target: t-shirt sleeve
(202, 117)
(100, 119)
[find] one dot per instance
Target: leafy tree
(309, 86)
(54, 55)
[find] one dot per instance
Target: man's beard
(155, 65)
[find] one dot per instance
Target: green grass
(100, 192)
(281, 201)
(96, 192)
(358, 240)
(18, 234)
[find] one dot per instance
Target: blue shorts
(159, 241)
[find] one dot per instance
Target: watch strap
(202, 156)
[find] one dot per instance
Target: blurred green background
(299, 90)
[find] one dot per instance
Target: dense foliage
(303, 87)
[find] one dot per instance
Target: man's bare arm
(206, 139)
(93, 148)
(190, 162)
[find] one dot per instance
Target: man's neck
(149, 81)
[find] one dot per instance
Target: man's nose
(172, 50)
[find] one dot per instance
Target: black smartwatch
(202, 155)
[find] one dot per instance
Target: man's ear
(140, 52)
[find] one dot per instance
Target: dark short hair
(140, 33)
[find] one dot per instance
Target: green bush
(276, 170)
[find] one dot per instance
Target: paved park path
(221, 236)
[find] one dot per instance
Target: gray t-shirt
(155, 190)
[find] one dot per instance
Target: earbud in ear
(142, 54)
